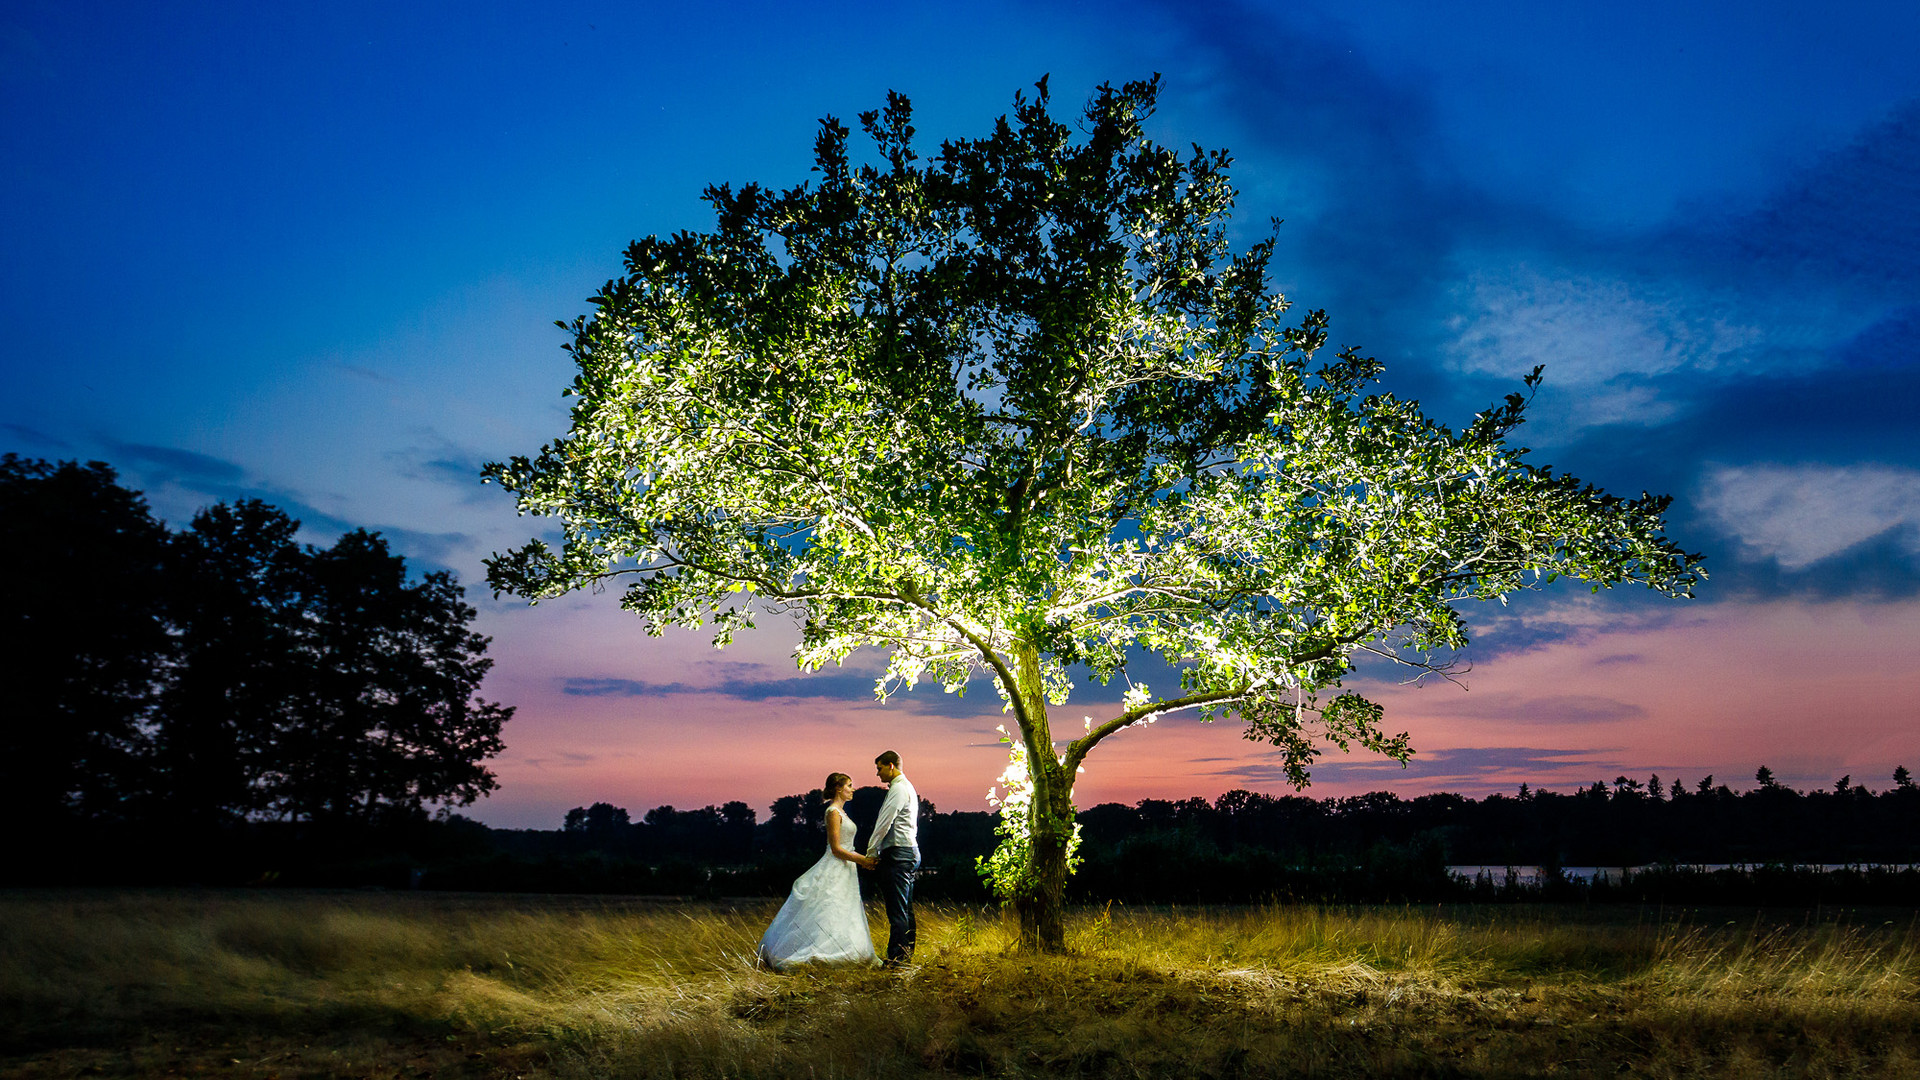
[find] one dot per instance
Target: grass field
(400, 985)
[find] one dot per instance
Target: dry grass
(315, 984)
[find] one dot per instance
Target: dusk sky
(313, 253)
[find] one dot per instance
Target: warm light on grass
(346, 983)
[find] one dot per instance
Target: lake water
(1530, 875)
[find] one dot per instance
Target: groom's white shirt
(898, 823)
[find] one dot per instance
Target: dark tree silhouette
(389, 720)
(84, 644)
(193, 680)
(235, 585)
(598, 820)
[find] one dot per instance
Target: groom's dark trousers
(897, 868)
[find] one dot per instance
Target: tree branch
(1077, 749)
(911, 594)
(761, 586)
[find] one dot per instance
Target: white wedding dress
(823, 919)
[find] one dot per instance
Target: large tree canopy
(1018, 408)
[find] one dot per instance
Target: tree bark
(1043, 911)
(1042, 907)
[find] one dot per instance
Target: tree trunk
(1042, 908)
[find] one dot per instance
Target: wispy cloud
(748, 682)
(1848, 216)
(590, 687)
(360, 372)
(449, 465)
(1474, 765)
(845, 687)
(563, 760)
(1618, 658)
(1893, 342)
(201, 479)
(1468, 287)
(214, 479)
(1799, 515)
(431, 550)
(1565, 614)
(457, 471)
(1531, 709)
(1607, 341)
(36, 437)
(173, 463)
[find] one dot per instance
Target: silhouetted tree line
(183, 696)
(1246, 846)
(1626, 823)
(1379, 846)
(721, 850)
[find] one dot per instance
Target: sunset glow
(314, 256)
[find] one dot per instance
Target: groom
(896, 844)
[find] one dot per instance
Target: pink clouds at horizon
(1813, 690)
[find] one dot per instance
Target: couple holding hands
(823, 919)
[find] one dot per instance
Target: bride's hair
(834, 780)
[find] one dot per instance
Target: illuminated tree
(1019, 408)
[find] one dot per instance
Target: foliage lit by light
(1021, 408)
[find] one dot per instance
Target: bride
(823, 919)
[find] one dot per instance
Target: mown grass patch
(361, 984)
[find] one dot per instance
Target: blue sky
(313, 253)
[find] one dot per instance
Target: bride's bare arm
(840, 850)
